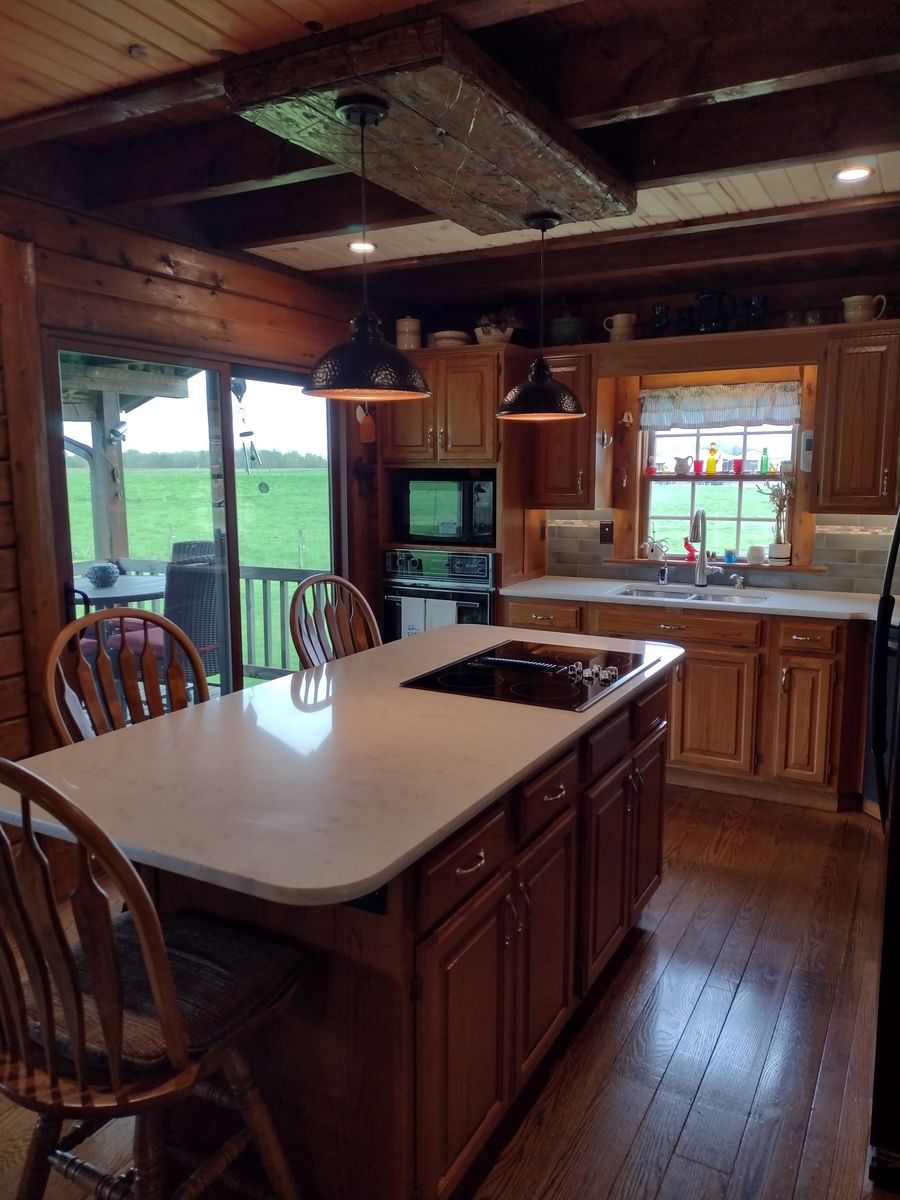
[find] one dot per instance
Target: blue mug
(730, 556)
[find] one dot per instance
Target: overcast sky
(280, 415)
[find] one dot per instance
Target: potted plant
(567, 327)
(780, 493)
(495, 327)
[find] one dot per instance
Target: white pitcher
(683, 465)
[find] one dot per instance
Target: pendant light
(365, 368)
(540, 397)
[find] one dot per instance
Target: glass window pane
(720, 536)
(719, 499)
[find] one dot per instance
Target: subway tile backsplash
(851, 547)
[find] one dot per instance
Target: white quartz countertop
(320, 786)
(788, 602)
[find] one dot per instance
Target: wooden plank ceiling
(728, 120)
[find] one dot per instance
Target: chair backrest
(188, 550)
(330, 618)
(49, 990)
(115, 667)
(192, 602)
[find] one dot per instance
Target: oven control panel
(439, 564)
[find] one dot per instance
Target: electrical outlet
(606, 533)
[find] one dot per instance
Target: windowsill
(790, 568)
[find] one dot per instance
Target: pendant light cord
(541, 329)
(362, 207)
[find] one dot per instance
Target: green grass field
(670, 515)
(173, 506)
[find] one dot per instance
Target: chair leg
(254, 1111)
(36, 1171)
(149, 1178)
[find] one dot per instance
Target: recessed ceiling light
(363, 247)
(853, 174)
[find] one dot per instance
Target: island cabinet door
(466, 395)
(544, 893)
(464, 1031)
(803, 724)
(648, 784)
(605, 915)
(714, 710)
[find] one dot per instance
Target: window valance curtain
(720, 404)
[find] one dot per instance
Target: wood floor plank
(687, 1180)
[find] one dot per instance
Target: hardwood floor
(729, 1056)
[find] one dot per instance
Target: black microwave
(444, 508)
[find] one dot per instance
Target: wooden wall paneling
(803, 520)
(627, 468)
(33, 523)
(604, 423)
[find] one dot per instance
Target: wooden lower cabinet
(714, 710)
(648, 809)
(543, 614)
(803, 721)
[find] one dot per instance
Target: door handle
(884, 482)
(429, 437)
(524, 890)
(785, 680)
(508, 937)
(442, 441)
(579, 483)
(640, 778)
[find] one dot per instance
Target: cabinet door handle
(579, 483)
(539, 617)
(559, 794)
(604, 440)
(508, 937)
(806, 637)
(640, 778)
(479, 862)
(672, 628)
(785, 680)
(884, 482)
(524, 890)
(429, 437)
(441, 439)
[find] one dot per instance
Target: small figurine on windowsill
(690, 551)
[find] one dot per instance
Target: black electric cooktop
(570, 677)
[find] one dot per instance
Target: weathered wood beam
(643, 69)
(856, 116)
(628, 256)
(223, 158)
(302, 211)
(479, 14)
(464, 140)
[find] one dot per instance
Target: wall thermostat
(806, 450)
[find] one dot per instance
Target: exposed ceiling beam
(202, 162)
(478, 14)
(686, 60)
(626, 257)
(301, 211)
(857, 116)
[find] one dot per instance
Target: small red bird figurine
(691, 552)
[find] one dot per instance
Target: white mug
(862, 308)
(619, 321)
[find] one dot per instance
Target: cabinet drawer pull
(579, 482)
(806, 637)
(785, 680)
(640, 778)
(559, 794)
(672, 628)
(429, 437)
(476, 865)
(524, 890)
(508, 937)
(884, 482)
(540, 617)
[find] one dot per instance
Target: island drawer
(650, 712)
(807, 635)
(544, 614)
(461, 865)
(548, 794)
(609, 744)
(673, 624)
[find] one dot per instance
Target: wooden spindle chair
(330, 618)
(130, 1020)
(118, 666)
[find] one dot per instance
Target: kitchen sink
(691, 595)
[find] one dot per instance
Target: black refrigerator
(884, 740)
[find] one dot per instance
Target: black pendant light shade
(540, 397)
(366, 368)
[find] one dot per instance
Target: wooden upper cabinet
(857, 425)
(565, 450)
(458, 422)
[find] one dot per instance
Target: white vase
(779, 552)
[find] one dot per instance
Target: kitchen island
(493, 856)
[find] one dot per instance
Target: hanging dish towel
(439, 613)
(412, 616)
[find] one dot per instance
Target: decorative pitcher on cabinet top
(714, 311)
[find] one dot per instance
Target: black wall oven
(427, 588)
(449, 508)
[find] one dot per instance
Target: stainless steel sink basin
(687, 595)
(649, 592)
(742, 597)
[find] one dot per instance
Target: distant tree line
(162, 460)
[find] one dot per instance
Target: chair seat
(134, 639)
(224, 976)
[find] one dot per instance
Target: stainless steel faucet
(698, 531)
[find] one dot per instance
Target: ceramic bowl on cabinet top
(450, 337)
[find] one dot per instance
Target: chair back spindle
(330, 618)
